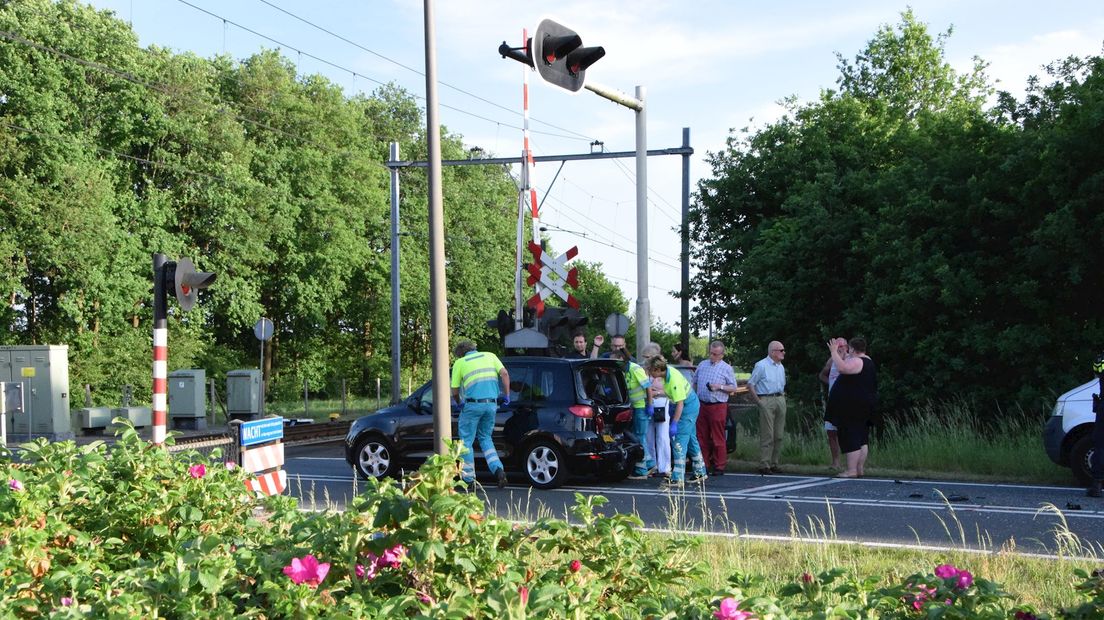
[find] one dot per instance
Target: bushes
(136, 532)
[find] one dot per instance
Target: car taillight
(581, 411)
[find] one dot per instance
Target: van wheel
(375, 458)
(544, 465)
(1080, 457)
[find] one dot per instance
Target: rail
(294, 435)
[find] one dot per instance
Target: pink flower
(523, 592)
(730, 610)
(944, 571)
(198, 470)
(66, 601)
(392, 557)
(1025, 615)
(231, 465)
(425, 598)
(15, 485)
(806, 577)
(965, 579)
(307, 570)
(576, 565)
(367, 572)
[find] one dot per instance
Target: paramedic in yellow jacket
(640, 397)
(476, 377)
(683, 412)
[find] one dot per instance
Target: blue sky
(710, 65)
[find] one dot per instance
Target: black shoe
(717, 472)
(774, 469)
(1094, 489)
(697, 479)
(501, 478)
(766, 471)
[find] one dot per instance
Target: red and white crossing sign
(550, 276)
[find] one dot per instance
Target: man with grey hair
(714, 381)
(476, 377)
(767, 386)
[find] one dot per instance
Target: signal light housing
(557, 53)
(560, 56)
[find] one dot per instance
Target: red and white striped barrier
(262, 458)
(271, 483)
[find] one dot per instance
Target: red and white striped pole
(160, 351)
(527, 189)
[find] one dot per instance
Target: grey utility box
(140, 417)
(187, 399)
(44, 372)
(243, 394)
(94, 419)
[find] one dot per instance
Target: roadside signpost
(263, 330)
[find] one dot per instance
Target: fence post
(377, 393)
(343, 405)
(212, 398)
(233, 453)
(306, 402)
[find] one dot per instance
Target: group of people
(692, 425)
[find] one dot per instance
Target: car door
(414, 435)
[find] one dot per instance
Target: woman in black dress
(851, 404)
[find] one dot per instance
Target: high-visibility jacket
(638, 382)
(476, 374)
(678, 388)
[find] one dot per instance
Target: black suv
(565, 417)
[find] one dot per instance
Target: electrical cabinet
(44, 372)
(243, 394)
(187, 399)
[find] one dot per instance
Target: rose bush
(136, 532)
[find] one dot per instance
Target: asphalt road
(872, 511)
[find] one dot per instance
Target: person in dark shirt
(579, 346)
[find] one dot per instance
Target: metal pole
(261, 413)
(396, 340)
(28, 396)
(442, 424)
(685, 315)
(306, 401)
(344, 404)
(160, 351)
(643, 306)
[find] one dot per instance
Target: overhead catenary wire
(611, 231)
(357, 74)
(129, 77)
(416, 71)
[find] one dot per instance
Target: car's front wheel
(1080, 458)
(544, 465)
(375, 458)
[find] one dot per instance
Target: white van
(1068, 433)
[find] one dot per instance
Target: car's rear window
(541, 383)
(603, 384)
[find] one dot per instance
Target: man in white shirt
(768, 388)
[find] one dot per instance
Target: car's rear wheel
(544, 465)
(375, 458)
(1080, 458)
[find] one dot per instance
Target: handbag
(659, 414)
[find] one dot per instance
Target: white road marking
(761, 495)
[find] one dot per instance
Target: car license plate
(607, 438)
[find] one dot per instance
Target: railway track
(294, 435)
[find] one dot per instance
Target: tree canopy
(961, 240)
(273, 180)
